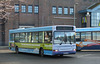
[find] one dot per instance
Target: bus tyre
(16, 49)
(41, 52)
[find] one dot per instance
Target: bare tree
(5, 10)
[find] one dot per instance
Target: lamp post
(74, 12)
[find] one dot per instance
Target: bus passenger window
(35, 40)
(96, 36)
(17, 37)
(22, 37)
(12, 37)
(83, 36)
(28, 37)
(40, 37)
(78, 38)
(48, 37)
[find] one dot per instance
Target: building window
(23, 8)
(30, 9)
(36, 9)
(65, 10)
(95, 18)
(16, 8)
(71, 10)
(59, 10)
(54, 10)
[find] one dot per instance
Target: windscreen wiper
(61, 43)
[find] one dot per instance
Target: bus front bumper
(63, 52)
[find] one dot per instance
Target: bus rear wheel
(16, 49)
(41, 52)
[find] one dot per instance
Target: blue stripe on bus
(47, 52)
(87, 29)
(28, 50)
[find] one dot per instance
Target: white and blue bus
(88, 38)
(48, 40)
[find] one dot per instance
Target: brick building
(34, 13)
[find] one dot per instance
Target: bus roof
(87, 29)
(45, 28)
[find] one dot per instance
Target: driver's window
(47, 37)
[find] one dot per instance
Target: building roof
(89, 9)
(93, 6)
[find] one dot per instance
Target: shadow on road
(35, 55)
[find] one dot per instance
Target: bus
(88, 38)
(47, 40)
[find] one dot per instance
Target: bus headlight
(55, 50)
(74, 49)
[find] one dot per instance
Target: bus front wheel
(41, 52)
(16, 49)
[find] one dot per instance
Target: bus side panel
(11, 46)
(29, 47)
(36, 51)
(88, 45)
(47, 48)
(34, 48)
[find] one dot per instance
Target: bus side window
(78, 38)
(11, 37)
(40, 37)
(17, 37)
(22, 37)
(48, 37)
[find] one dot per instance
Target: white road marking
(84, 55)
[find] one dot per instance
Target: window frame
(54, 12)
(31, 9)
(16, 9)
(60, 10)
(23, 9)
(67, 11)
(70, 12)
(36, 10)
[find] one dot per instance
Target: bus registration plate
(65, 53)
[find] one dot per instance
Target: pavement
(4, 47)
